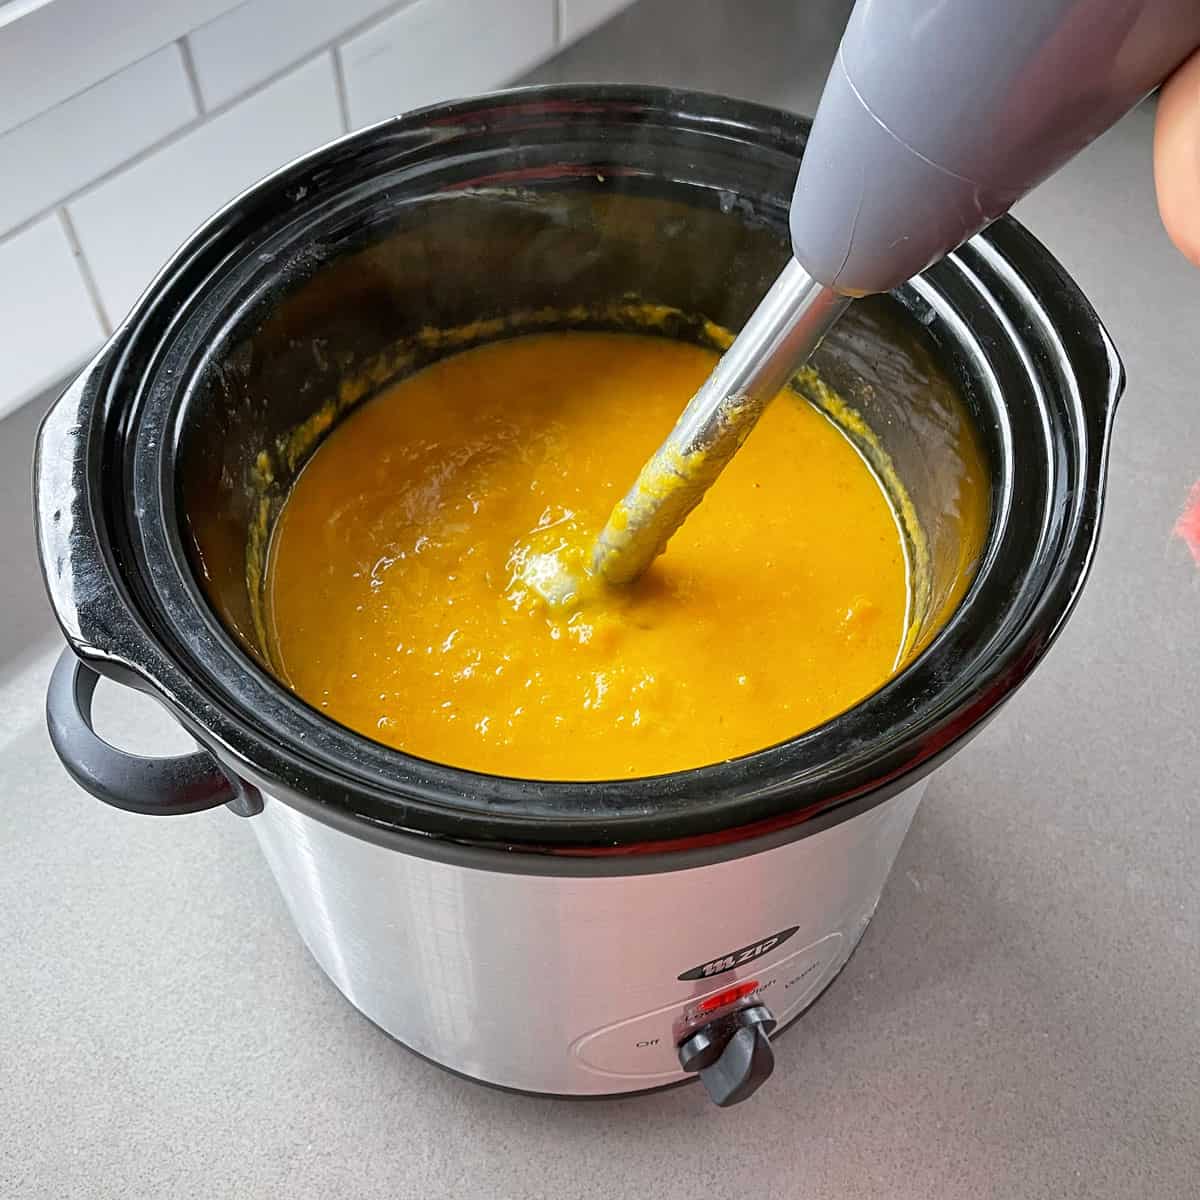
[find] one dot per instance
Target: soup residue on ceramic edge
(395, 600)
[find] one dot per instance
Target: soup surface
(395, 595)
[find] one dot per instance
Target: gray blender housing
(938, 117)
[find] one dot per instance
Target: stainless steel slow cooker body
(554, 937)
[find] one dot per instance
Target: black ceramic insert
(545, 199)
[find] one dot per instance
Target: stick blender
(937, 117)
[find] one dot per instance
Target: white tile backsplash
(98, 115)
(130, 224)
(440, 49)
(62, 150)
(582, 16)
(52, 50)
(49, 323)
(258, 38)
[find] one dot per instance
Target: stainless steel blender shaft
(896, 174)
(775, 342)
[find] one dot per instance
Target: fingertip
(1177, 158)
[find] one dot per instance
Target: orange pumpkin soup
(395, 595)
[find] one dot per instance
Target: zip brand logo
(736, 958)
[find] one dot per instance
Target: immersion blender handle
(938, 116)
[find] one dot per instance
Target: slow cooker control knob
(731, 1054)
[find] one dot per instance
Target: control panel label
(737, 958)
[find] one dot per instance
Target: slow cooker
(571, 938)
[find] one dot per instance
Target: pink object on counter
(1188, 525)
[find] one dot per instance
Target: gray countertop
(1020, 1020)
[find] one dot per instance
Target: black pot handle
(185, 783)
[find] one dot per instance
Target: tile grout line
(338, 41)
(339, 79)
(205, 116)
(75, 95)
(159, 43)
(197, 122)
(85, 270)
(189, 69)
